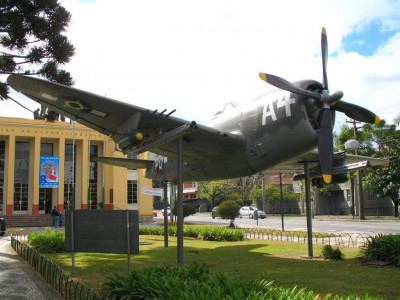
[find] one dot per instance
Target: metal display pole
(165, 214)
(280, 184)
(308, 208)
(180, 202)
(72, 242)
(128, 240)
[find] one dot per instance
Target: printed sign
(49, 169)
(152, 191)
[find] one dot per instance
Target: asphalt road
(323, 224)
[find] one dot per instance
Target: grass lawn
(271, 260)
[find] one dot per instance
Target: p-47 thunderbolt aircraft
(278, 131)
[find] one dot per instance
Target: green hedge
(205, 233)
(47, 242)
(194, 282)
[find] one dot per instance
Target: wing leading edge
(118, 119)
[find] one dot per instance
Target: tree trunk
(396, 206)
(231, 225)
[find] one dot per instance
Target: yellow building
(82, 182)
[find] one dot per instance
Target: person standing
(56, 217)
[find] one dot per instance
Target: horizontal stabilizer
(125, 162)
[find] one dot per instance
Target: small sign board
(102, 231)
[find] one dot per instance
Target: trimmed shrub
(329, 253)
(47, 242)
(205, 233)
(188, 210)
(221, 234)
(383, 248)
(228, 210)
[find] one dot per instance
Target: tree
(396, 120)
(244, 186)
(229, 210)
(216, 191)
(379, 140)
(385, 181)
(31, 32)
(273, 195)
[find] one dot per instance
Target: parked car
(249, 211)
(168, 211)
(214, 212)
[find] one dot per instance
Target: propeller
(330, 102)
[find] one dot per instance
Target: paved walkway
(18, 280)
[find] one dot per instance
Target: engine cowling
(336, 179)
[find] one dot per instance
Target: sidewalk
(17, 279)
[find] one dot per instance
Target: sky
(195, 56)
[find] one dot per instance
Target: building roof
(273, 179)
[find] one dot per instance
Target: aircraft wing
(117, 119)
(342, 163)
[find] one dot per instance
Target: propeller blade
(325, 145)
(356, 112)
(324, 51)
(287, 86)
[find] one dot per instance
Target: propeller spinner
(330, 102)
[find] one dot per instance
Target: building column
(10, 170)
(34, 175)
(59, 150)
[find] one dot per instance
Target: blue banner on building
(49, 168)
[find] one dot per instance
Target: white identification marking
(269, 110)
(284, 102)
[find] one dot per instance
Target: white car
(249, 211)
(168, 211)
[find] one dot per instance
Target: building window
(93, 178)
(132, 191)
(21, 176)
(69, 176)
(2, 157)
(45, 194)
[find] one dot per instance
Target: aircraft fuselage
(276, 127)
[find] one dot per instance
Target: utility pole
(359, 178)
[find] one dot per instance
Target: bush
(196, 282)
(221, 234)
(188, 210)
(383, 248)
(228, 210)
(47, 242)
(329, 253)
(206, 233)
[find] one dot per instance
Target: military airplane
(279, 131)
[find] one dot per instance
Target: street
(323, 224)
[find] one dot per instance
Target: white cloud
(194, 56)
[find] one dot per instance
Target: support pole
(180, 202)
(72, 242)
(280, 184)
(165, 214)
(308, 208)
(128, 240)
